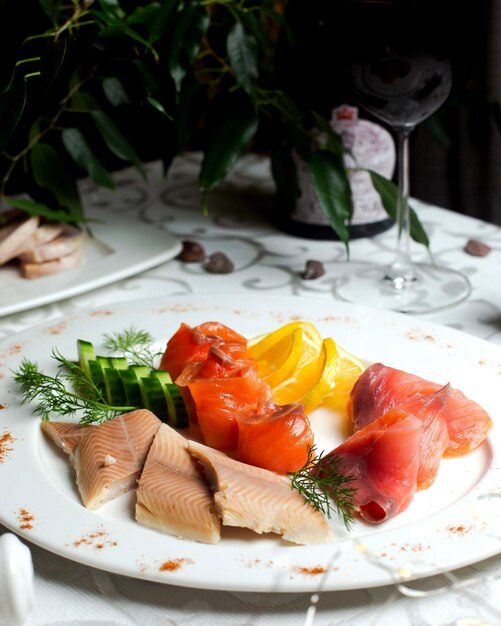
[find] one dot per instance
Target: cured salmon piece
(255, 498)
(47, 268)
(276, 438)
(172, 495)
(66, 435)
(110, 457)
(381, 388)
(13, 237)
(395, 455)
(218, 402)
(191, 345)
(67, 242)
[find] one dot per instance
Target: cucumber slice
(132, 387)
(113, 387)
(85, 354)
(176, 409)
(119, 362)
(154, 397)
(97, 374)
(178, 415)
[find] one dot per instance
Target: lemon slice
(289, 360)
(344, 372)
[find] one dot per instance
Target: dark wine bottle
(313, 64)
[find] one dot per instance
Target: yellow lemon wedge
(344, 372)
(289, 360)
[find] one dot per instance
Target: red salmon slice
(218, 402)
(110, 457)
(395, 455)
(380, 389)
(276, 438)
(255, 498)
(172, 495)
(190, 345)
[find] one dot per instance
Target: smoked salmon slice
(172, 495)
(277, 437)
(219, 401)
(380, 389)
(395, 455)
(255, 498)
(66, 435)
(110, 457)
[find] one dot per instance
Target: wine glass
(401, 66)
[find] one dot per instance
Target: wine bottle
(313, 68)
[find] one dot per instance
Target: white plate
(119, 247)
(454, 523)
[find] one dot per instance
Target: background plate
(454, 523)
(120, 247)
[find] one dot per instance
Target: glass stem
(401, 272)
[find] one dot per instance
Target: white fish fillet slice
(47, 268)
(65, 435)
(14, 236)
(172, 495)
(67, 242)
(126, 439)
(255, 498)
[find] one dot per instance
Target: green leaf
(52, 63)
(83, 102)
(163, 20)
(51, 8)
(80, 151)
(388, 192)
(236, 128)
(36, 208)
(242, 54)
(50, 173)
(12, 105)
(115, 141)
(115, 91)
(333, 140)
(333, 191)
(192, 104)
(150, 81)
(158, 106)
(191, 26)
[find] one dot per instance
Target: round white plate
(454, 523)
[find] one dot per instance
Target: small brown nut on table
(219, 263)
(192, 252)
(477, 248)
(313, 269)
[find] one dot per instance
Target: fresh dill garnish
(133, 344)
(54, 397)
(324, 487)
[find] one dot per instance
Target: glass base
(431, 288)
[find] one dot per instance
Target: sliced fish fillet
(14, 236)
(65, 435)
(255, 498)
(67, 242)
(172, 495)
(110, 458)
(47, 268)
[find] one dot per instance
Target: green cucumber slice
(113, 387)
(119, 362)
(154, 397)
(132, 387)
(86, 353)
(176, 409)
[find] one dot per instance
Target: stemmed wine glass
(401, 72)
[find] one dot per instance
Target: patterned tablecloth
(267, 261)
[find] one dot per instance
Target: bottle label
(369, 146)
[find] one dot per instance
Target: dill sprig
(133, 344)
(325, 487)
(54, 397)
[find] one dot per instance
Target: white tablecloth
(266, 261)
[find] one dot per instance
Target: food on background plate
(383, 388)
(41, 248)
